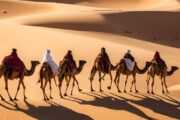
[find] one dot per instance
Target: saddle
(104, 63)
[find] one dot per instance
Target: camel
(65, 72)
(11, 75)
(154, 70)
(122, 68)
(97, 67)
(46, 74)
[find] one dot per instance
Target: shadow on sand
(158, 104)
(52, 112)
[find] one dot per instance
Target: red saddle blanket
(14, 63)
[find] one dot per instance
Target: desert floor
(84, 26)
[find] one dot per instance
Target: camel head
(174, 68)
(82, 62)
(35, 63)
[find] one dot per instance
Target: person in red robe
(14, 62)
(158, 60)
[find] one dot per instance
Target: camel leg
(162, 84)
(109, 87)
(118, 84)
(100, 89)
(166, 85)
(125, 84)
(60, 85)
(116, 80)
(67, 85)
(152, 85)
(50, 88)
(91, 85)
(135, 84)
(73, 85)
(6, 87)
(75, 80)
(148, 79)
(132, 83)
(43, 89)
(91, 79)
(103, 76)
(45, 96)
(15, 98)
(24, 87)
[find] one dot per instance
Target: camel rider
(13, 61)
(48, 59)
(159, 61)
(129, 60)
(128, 55)
(104, 60)
(69, 58)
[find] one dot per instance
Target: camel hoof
(148, 92)
(92, 90)
(130, 90)
(124, 91)
(137, 91)
(11, 99)
(51, 97)
(163, 92)
(119, 91)
(80, 90)
(15, 99)
(2, 99)
(65, 94)
(101, 90)
(109, 87)
(152, 92)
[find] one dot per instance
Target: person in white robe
(129, 60)
(48, 59)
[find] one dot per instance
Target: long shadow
(115, 104)
(52, 112)
(153, 26)
(156, 103)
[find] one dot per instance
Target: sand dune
(117, 4)
(162, 29)
(84, 26)
(15, 9)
